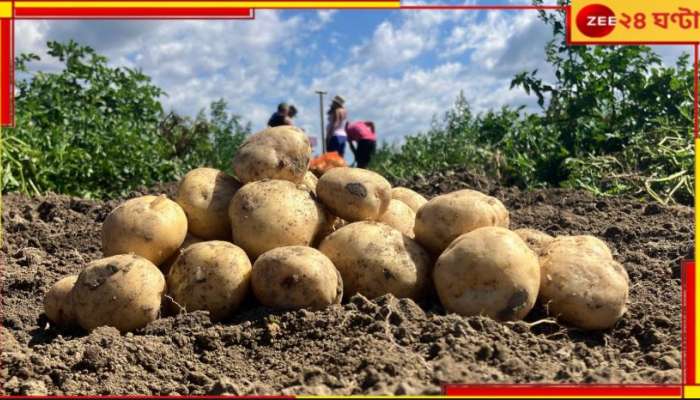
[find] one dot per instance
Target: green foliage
(88, 129)
(205, 141)
(507, 144)
(96, 131)
(615, 120)
(658, 163)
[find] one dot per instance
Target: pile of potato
(297, 241)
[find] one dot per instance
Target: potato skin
(295, 277)
(58, 302)
(375, 259)
(212, 276)
(152, 227)
(442, 219)
(409, 197)
(123, 291)
(582, 284)
(281, 152)
(204, 194)
(189, 240)
(400, 216)
(354, 194)
(488, 271)
(535, 240)
(275, 213)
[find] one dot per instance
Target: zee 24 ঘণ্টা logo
(598, 20)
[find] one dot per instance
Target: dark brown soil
(386, 345)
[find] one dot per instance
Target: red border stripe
(6, 59)
(145, 12)
(688, 313)
(564, 390)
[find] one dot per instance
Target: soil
(380, 346)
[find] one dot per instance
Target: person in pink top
(362, 138)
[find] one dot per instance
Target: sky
(396, 68)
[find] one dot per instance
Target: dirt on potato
(381, 346)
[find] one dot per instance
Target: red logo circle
(596, 20)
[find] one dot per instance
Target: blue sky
(397, 68)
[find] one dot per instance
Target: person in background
(337, 120)
(291, 113)
(280, 116)
(362, 133)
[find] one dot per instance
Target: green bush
(615, 120)
(96, 131)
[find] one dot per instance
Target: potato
(123, 291)
(212, 276)
(400, 216)
(296, 277)
(488, 271)
(409, 197)
(204, 195)
(334, 224)
(442, 219)
(58, 302)
(281, 152)
(589, 243)
(354, 194)
(375, 259)
(310, 181)
(535, 240)
(152, 227)
(582, 284)
(275, 213)
(189, 240)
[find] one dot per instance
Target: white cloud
(256, 64)
(401, 72)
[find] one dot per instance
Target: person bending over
(362, 138)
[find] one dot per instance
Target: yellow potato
(153, 227)
(281, 152)
(375, 259)
(582, 284)
(58, 302)
(442, 219)
(274, 213)
(123, 291)
(296, 277)
(204, 195)
(536, 240)
(400, 216)
(409, 197)
(212, 276)
(354, 194)
(189, 240)
(488, 271)
(588, 243)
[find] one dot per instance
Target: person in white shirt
(335, 132)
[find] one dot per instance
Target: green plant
(205, 141)
(614, 120)
(88, 129)
(93, 130)
(658, 163)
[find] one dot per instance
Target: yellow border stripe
(6, 9)
(691, 392)
(208, 4)
(696, 391)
